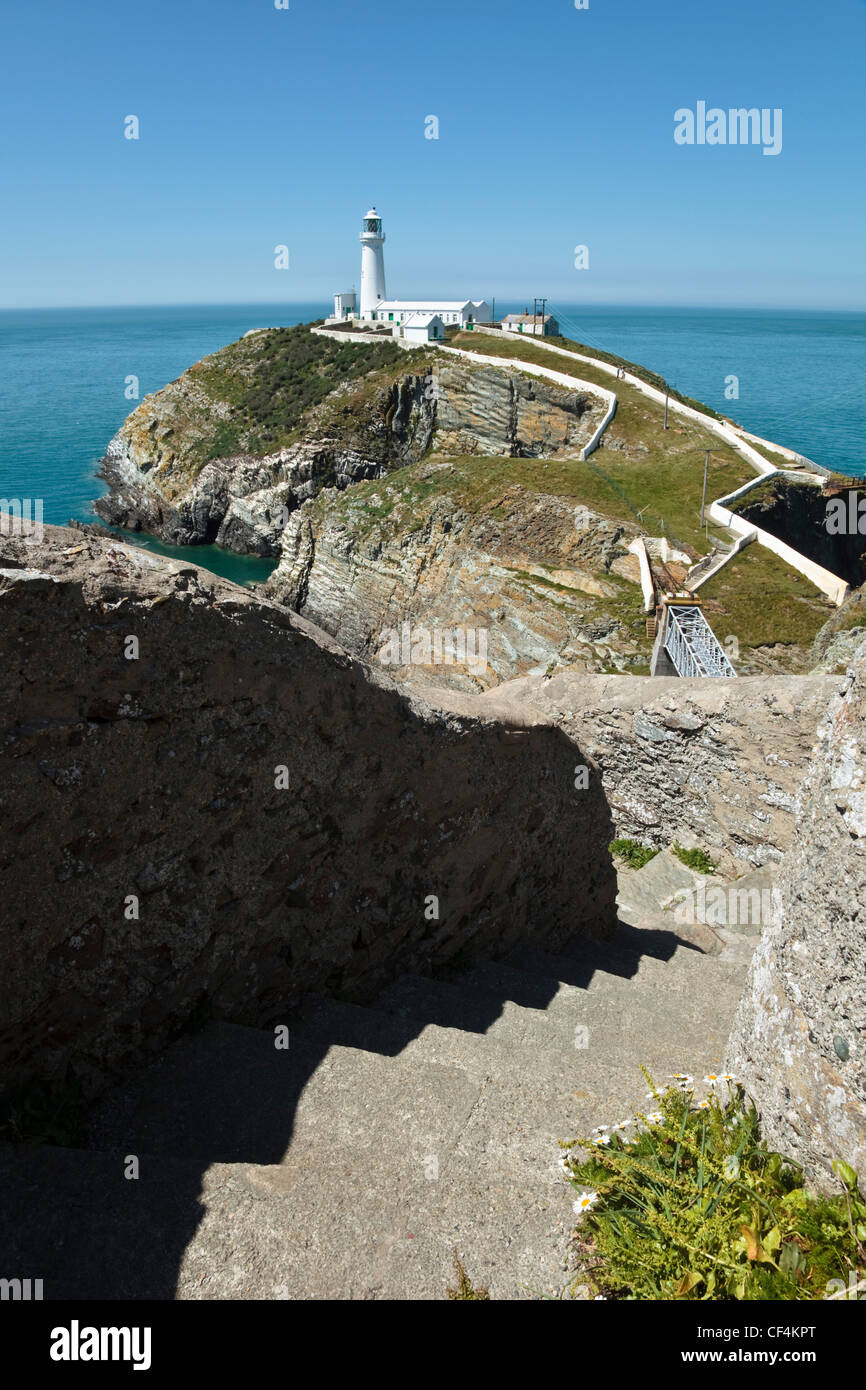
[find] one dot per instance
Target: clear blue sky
(262, 126)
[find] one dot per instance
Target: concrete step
(451, 1005)
(628, 1024)
(619, 1027)
(609, 975)
(652, 954)
(229, 1094)
(353, 1223)
(744, 905)
(651, 887)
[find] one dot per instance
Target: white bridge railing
(692, 645)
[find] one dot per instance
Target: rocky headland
(432, 490)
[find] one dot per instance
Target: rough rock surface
(242, 502)
(164, 479)
(538, 580)
(492, 410)
(712, 762)
(842, 635)
(152, 864)
(799, 1040)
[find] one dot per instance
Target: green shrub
(697, 859)
(632, 852)
(269, 381)
(692, 1205)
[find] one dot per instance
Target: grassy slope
(397, 505)
(518, 341)
(255, 396)
(761, 601)
(251, 396)
(647, 468)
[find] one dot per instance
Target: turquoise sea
(801, 382)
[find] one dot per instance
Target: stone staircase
(352, 1163)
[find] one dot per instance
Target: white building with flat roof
(345, 305)
(451, 311)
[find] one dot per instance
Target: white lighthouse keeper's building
(372, 264)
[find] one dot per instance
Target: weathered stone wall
(717, 763)
(148, 786)
(799, 1039)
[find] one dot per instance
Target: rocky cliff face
(459, 547)
(192, 464)
(797, 513)
(714, 763)
(842, 635)
(488, 410)
(799, 1041)
(163, 480)
(209, 808)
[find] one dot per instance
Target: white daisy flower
(703, 1105)
(656, 1118)
(711, 1079)
(600, 1129)
(602, 1139)
(585, 1203)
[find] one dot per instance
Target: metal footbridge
(688, 642)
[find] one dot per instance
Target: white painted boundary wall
(638, 548)
(560, 378)
(829, 584)
(725, 432)
(339, 336)
(782, 449)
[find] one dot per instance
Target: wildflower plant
(694, 1206)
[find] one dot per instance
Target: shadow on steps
(338, 1096)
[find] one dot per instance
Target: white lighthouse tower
(372, 264)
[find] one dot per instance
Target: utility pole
(543, 307)
(704, 493)
(534, 315)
